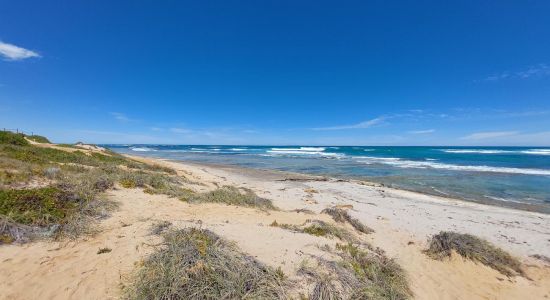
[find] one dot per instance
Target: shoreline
(533, 208)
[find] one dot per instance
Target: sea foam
(397, 162)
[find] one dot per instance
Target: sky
(277, 72)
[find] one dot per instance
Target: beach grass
(318, 228)
(443, 244)
(342, 216)
(359, 274)
(233, 196)
(196, 263)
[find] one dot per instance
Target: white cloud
(539, 70)
(364, 124)
(120, 117)
(12, 52)
(489, 135)
(181, 130)
(427, 131)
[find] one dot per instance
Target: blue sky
(278, 72)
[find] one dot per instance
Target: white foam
(376, 158)
(435, 165)
(490, 151)
(503, 199)
(238, 149)
(142, 149)
(537, 151)
(312, 149)
(480, 151)
(295, 151)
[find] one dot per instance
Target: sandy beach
(403, 221)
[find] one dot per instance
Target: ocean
(516, 177)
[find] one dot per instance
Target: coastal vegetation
(233, 196)
(48, 192)
(359, 274)
(342, 216)
(445, 243)
(38, 138)
(197, 263)
(318, 228)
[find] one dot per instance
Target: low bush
(41, 206)
(359, 274)
(198, 264)
(11, 138)
(233, 196)
(471, 247)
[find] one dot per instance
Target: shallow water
(508, 176)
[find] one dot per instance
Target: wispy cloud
(427, 131)
(120, 117)
(489, 135)
(540, 70)
(361, 125)
(12, 53)
(181, 130)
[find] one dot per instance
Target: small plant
(159, 227)
(317, 228)
(443, 244)
(104, 250)
(128, 183)
(6, 239)
(342, 216)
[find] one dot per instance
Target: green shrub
(11, 138)
(41, 206)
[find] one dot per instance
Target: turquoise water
(509, 176)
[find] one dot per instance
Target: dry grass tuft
(318, 228)
(342, 216)
(233, 196)
(197, 264)
(360, 274)
(471, 247)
